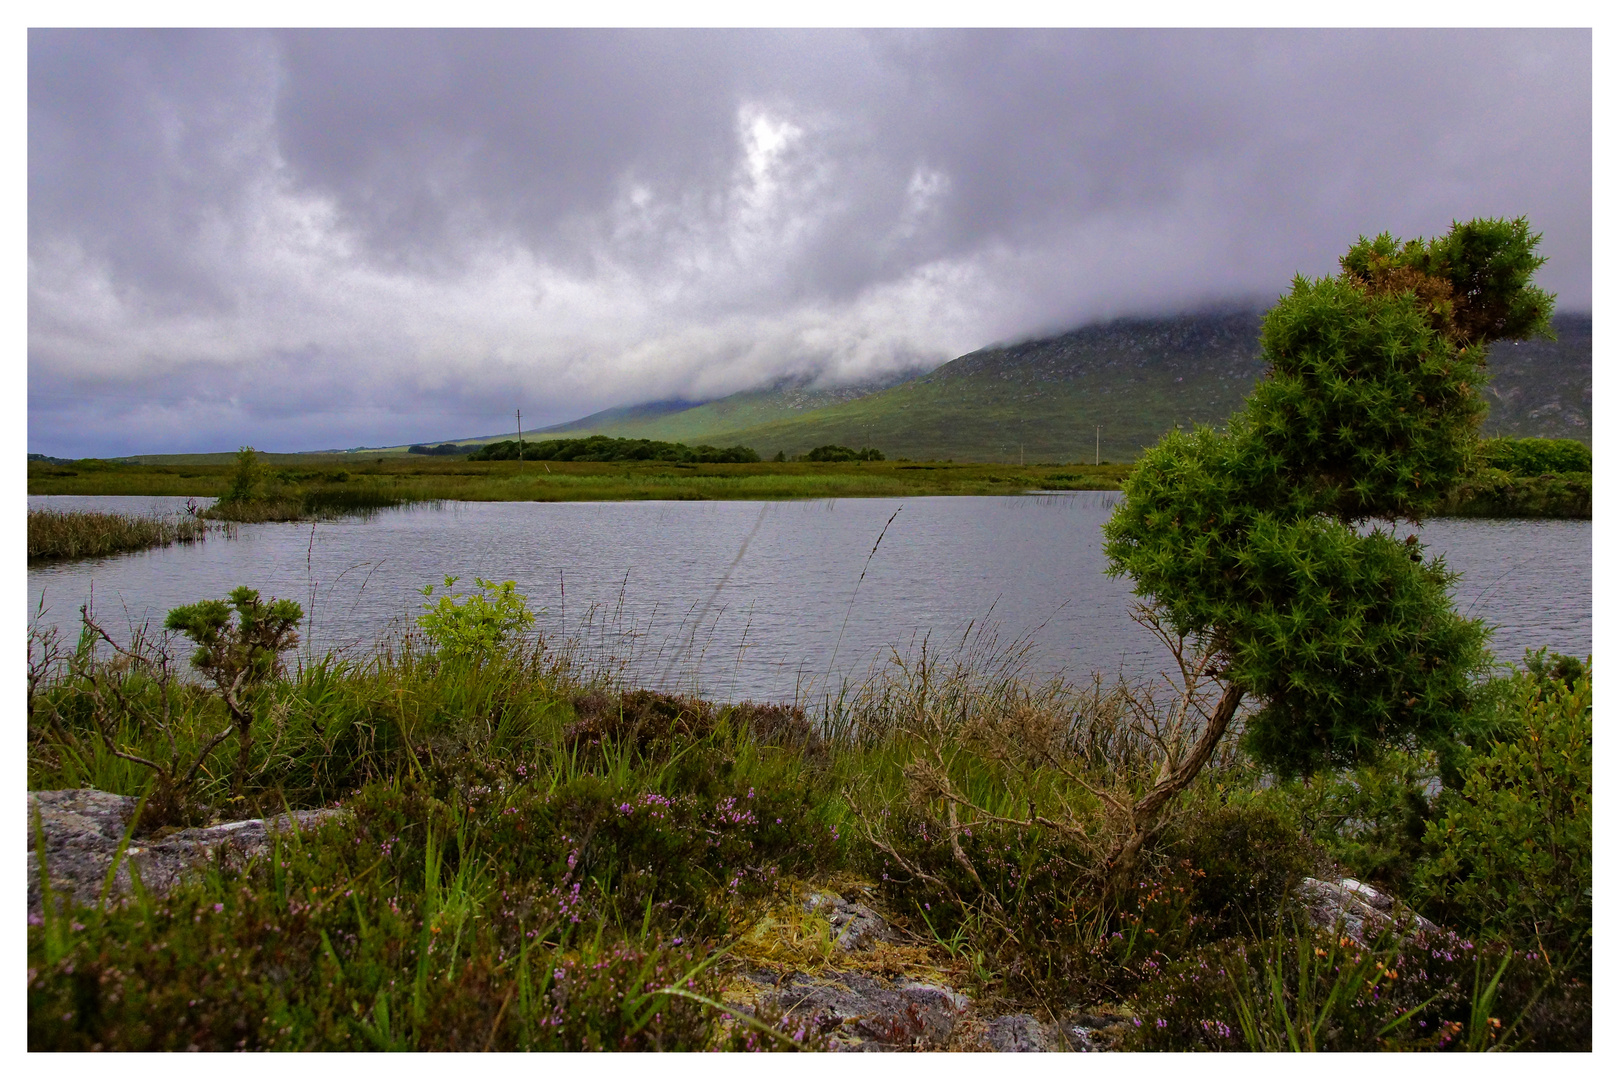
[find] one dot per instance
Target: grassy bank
(1519, 480)
(300, 480)
(54, 534)
(537, 858)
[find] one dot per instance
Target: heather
(535, 857)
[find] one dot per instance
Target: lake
(765, 600)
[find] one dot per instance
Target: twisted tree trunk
(1174, 776)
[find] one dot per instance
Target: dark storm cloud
(324, 238)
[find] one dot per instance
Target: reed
(58, 534)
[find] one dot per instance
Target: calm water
(750, 599)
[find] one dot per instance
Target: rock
(1087, 1032)
(862, 1012)
(1358, 909)
(1021, 1034)
(83, 829)
(855, 927)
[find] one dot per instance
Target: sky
(303, 240)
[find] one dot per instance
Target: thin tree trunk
(1173, 779)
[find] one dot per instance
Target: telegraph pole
(1098, 459)
(520, 439)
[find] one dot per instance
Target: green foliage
(1495, 493)
(442, 450)
(602, 448)
(1302, 990)
(474, 625)
(1245, 856)
(247, 479)
(1371, 820)
(495, 804)
(240, 639)
(325, 948)
(1546, 478)
(472, 903)
(56, 534)
(833, 452)
(239, 646)
(1533, 457)
(1513, 853)
(1249, 539)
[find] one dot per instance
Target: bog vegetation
(535, 857)
(77, 534)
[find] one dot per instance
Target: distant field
(415, 478)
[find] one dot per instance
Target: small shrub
(474, 625)
(1535, 457)
(239, 645)
(1513, 854)
(1247, 857)
(1371, 820)
(247, 479)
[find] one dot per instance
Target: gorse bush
(474, 625)
(239, 645)
(1247, 547)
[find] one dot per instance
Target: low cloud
(333, 239)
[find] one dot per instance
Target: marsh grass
(77, 534)
(313, 481)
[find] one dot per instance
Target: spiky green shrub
(1254, 541)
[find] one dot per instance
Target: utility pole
(1098, 459)
(520, 440)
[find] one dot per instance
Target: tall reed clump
(76, 534)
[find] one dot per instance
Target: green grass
(310, 480)
(54, 534)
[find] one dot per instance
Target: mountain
(1046, 399)
(1544, 388)
(784, 400)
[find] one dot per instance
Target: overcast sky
(329, 239)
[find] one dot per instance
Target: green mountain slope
(1544, 388)
(1135, 378)
(1046, 399)
(786, 400)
